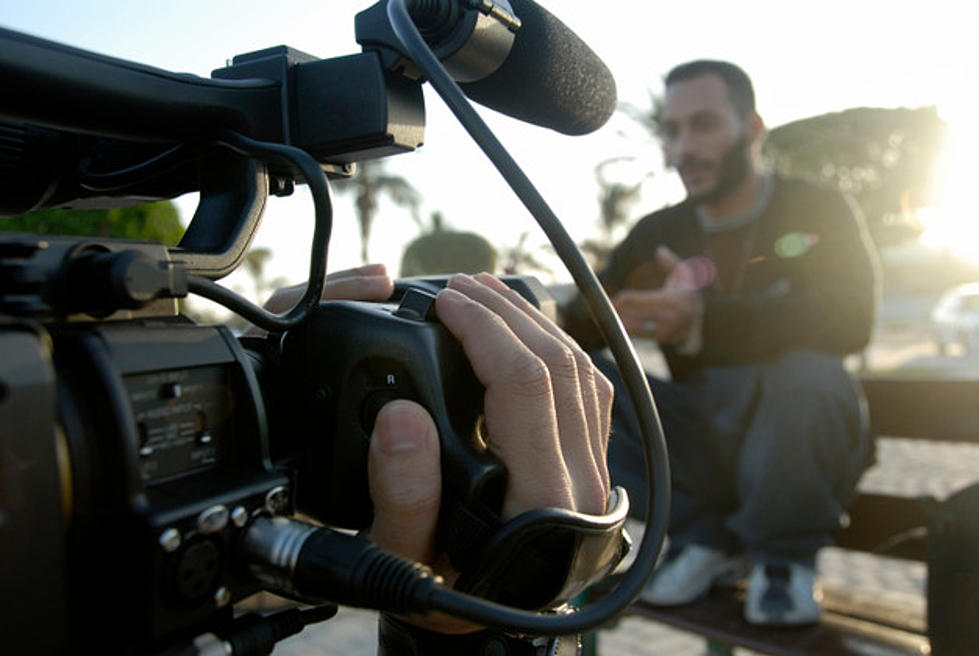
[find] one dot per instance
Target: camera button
(212, 520)
(170, 540)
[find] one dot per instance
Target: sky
(805, 59)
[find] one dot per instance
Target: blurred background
(873, 97)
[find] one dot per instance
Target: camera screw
(222, 596)
(212, 520)
(277, 500)
(170, 540)
(281, 186)
(239, 516)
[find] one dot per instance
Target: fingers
(536, 412)
(690, 274)
(595, 390)
(405, 480)
(665, 315)
(364, 283)
(376, 269)
(518, 404)
(573, 394)
(666, 258)
(639, 312)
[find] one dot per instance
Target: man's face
(704, 137)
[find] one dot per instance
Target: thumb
(667, 259)
(404, 477)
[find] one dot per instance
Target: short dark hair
(739, 87)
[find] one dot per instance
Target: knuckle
(603, 387)
(560, 360)
(530, 375)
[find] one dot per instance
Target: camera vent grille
(12, 140)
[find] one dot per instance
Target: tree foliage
(159, 222)
(441, 251)
(885, 158)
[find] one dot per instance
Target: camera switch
(171, 391)
(417, 305)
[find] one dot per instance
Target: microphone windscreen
(550, 78)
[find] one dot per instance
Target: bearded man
(755, 287)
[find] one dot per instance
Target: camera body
(138, 449)
(158, 443)
(148, 464)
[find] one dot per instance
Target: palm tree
(620, 190)
(615, 202)
(368, 184)
(519, 259)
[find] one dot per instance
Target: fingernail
(449, 295)
(408, 432)
(490, 280)
(462, 280)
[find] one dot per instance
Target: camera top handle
(64, 88)
(278, 96)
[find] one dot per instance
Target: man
(754, 287)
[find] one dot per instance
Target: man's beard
(733, 168)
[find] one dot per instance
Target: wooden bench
(855, 622)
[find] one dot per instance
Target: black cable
(153, 168)
(304, 164)
(657, 467)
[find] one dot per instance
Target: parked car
(955, 318)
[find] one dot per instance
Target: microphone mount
(472, 38)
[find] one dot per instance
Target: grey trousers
(764, 457)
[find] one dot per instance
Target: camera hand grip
(339, 369)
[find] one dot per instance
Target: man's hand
(370, 282)
(667, 314)
(547, 418)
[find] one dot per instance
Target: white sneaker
(689, 575)
(782, 595)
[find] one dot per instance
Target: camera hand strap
(539, 559)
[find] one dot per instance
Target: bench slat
(943, 410)
(886, 525)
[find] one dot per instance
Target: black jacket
(811, 280)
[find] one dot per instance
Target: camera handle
(303, 164)
(233, 191)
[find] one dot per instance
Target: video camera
(152, 467)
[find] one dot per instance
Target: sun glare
(952, 223)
